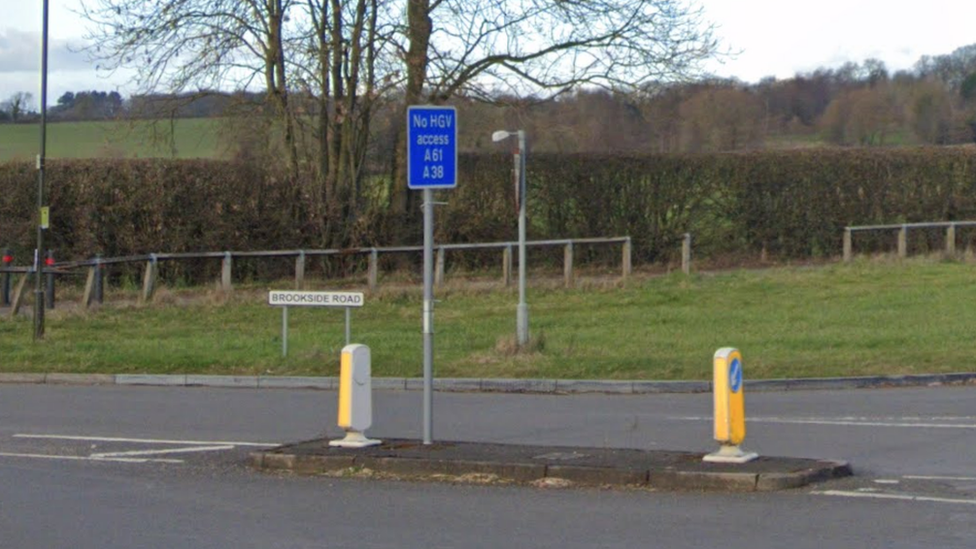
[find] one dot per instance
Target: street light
(522, 311)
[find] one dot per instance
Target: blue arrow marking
(735, 375)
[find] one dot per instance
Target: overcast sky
(776, 38)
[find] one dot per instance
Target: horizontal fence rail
(95, 276)
(903, 228)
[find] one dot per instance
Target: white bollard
(355, 397)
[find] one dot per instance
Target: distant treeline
(851, 105)
(785, 204)
(100, 105)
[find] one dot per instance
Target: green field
(870, 317)
(194, 138)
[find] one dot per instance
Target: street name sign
(287, 298)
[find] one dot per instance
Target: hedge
(790, 204)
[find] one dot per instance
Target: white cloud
(69, 68)
(21, 51)
(783, 37)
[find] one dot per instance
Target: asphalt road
(88, 467)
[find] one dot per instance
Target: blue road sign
(431, 147)
(735, 375)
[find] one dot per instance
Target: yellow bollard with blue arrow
(730, 408)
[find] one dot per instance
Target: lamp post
(522, 311)
(38, 261)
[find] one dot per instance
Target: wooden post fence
(507, 266)
(300, 270)
(568, 277)
(902, 228)
(225, 272)
(903, 242)
(149, 278)
(686, 254)
(848, 245)
(374, 268)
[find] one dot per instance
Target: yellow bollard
(730, 408)
(355, 397)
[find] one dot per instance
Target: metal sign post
(284, 332)
(428, 329)
(431, 164)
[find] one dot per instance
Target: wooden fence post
(848, 245)
(86, 300)
(18, 297)
(439, 267)
(507, 266)
(686, 254)
(225, 272)
(374, 268)
(99, 281)
(93, 284)
(300, 270)
(568, 276)
(950, 244)
(149, 279)
(626, 259)
(903, 242)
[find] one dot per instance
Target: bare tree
(328, 64)
(931, 113)
(18, 105)
(546, 48)
(862, 116)
(721, 118)
(317, 61)
(179, 45)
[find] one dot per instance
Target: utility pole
(41, 219)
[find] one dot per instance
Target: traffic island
(547, 466)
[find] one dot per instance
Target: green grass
(194, 138)
(870, 317)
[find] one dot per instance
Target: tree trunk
(277, 84)
(419, 28)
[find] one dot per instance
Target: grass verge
(875, 316)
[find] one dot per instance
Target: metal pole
(348, 323)
(39, 286)
(428, 315)
(522, 311)
(284, 332)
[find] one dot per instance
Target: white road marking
(931, 477)
(89, 458)
(887, 481)
(167, 451)
(133, 456)
(149, 440)
(897, 497)
(843, 422)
